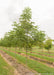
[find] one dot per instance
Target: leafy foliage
(48, 44)
(24, 34)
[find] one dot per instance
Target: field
(38, 61)
(5, 69)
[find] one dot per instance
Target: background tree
(48, 44)
(41, 46)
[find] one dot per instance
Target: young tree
(23, 29)
(48, 44)
(26, 33)
(41, 45)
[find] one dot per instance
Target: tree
(25, 34)
(23, 29)
(48, 44)
(41, 45)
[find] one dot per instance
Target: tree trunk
(15, 51)
(30, 52)
(26, 56)
(49, 52)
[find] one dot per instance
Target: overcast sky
(42, 14)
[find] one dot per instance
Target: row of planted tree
(25, 34)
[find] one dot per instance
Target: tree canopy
(24, 33)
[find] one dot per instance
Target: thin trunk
(30, 52)
(26, 56)
(49, 52)
(15, 51)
